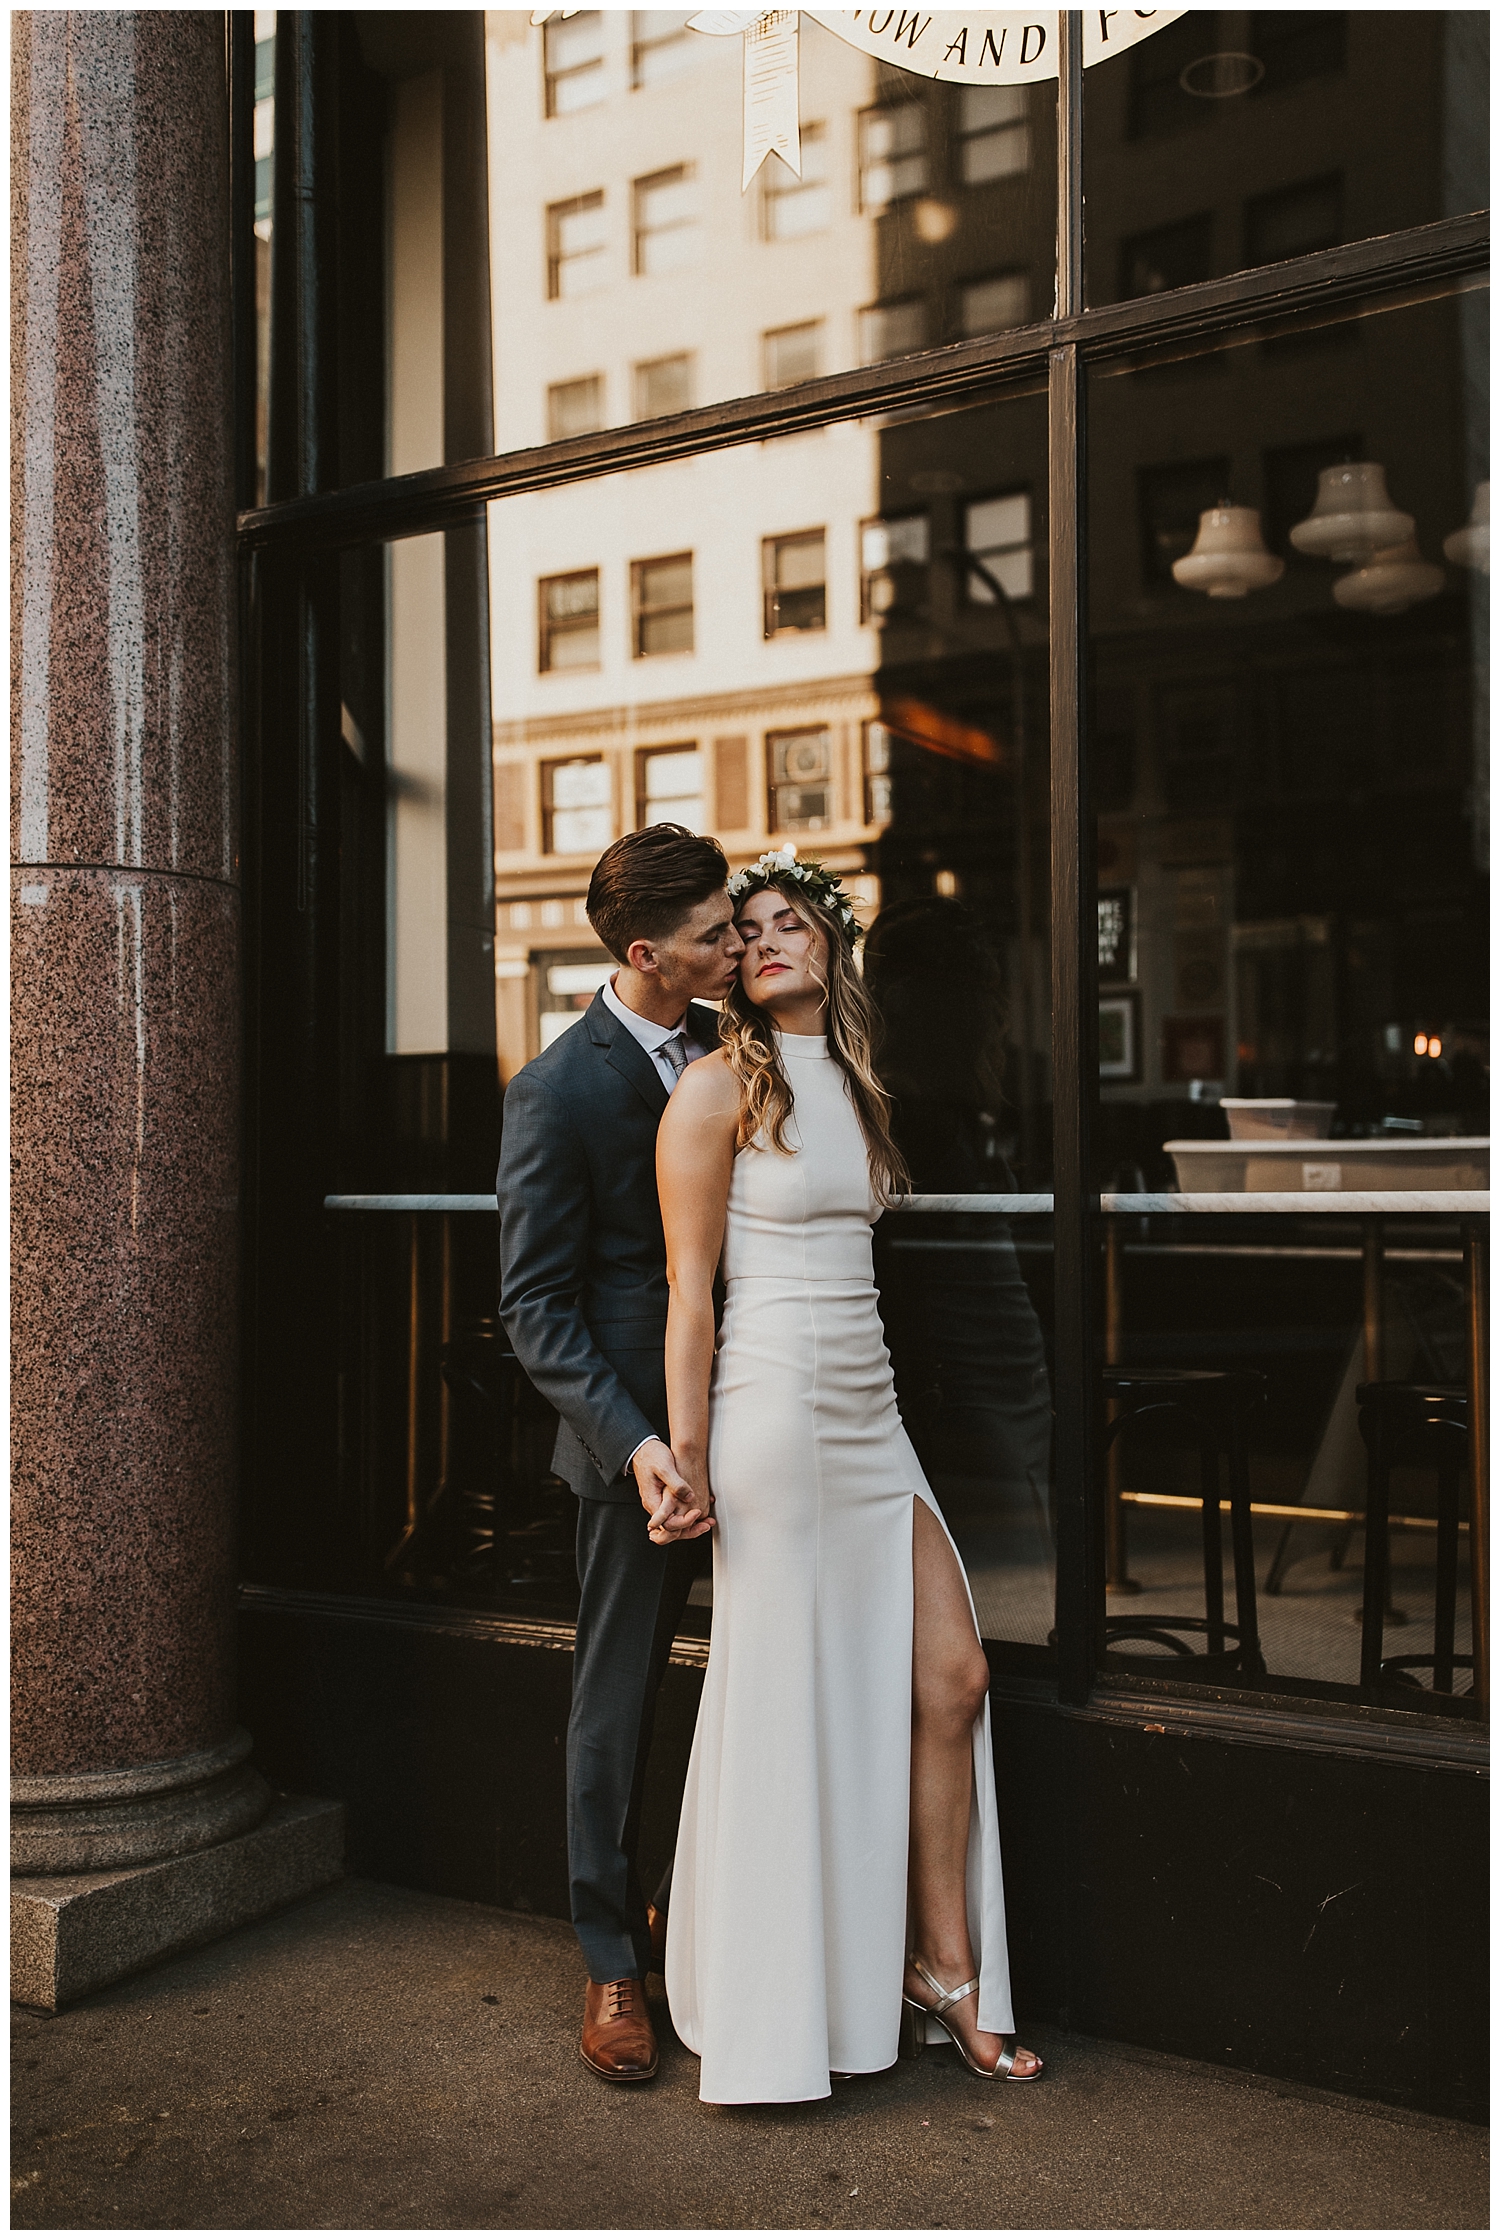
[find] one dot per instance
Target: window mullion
(1074, 1021)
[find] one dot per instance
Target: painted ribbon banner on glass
(986, 46)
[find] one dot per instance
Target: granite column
(126, 1028)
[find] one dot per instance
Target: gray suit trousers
(632, 1596)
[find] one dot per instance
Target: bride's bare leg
(950, 1678)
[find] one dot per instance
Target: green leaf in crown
(821, 886)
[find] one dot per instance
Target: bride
(837, 1878)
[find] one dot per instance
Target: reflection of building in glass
(1260, 754)
(703, 644)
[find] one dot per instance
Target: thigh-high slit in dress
(787, 1930)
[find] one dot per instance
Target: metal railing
(1017, 1202)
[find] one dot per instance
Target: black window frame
(285, 547)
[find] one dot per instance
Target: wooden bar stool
(1212, 1407)
(1425, 1423)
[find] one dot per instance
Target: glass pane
(923, 212)
(1232, 139)
(403, 264)
(868, 681)
(1289, 604)
(373, 1063)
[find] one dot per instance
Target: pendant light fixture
(1229, 555)
(1469, 547)
(1390, 582)
(1353, 518)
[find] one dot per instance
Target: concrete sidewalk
(378, 2058)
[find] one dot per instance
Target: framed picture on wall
(1119, 1038)
(1116, 934)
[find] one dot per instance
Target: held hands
(675, 1511)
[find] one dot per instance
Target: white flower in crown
(820, 886)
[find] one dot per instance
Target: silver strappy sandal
(915, 2018)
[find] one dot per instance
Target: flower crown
(820, 886)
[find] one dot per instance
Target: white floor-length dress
(787, 1927)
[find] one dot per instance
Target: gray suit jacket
(583, 1263)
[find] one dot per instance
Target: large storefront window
(1242, 822)
(1289, 670)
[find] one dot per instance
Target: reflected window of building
(997, 534)
(791, 354)
(890, 330)
(1158, 102)
(669, 787)
(661, 598)
(577, 259)
(573, 51)
(664, 385)
(893, 555)
(877, 769)
(575, 408)
(1168, 257)
(1292, 45)
(569, 617)
(1170, 501)
(993, 138)
(990, 306)
(1294, 220)
(567, 990)
(661, 46)
(794, 581)
(800, 768)
(892, 154)
(666, 221)
(792, 207)
(577, 807)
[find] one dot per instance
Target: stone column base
(73, 1933)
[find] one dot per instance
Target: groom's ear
(641, 956)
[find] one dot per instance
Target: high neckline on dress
(802, 1045)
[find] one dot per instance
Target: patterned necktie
(674, 1050)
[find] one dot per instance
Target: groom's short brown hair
(645, 885)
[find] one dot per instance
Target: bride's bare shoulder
(707, 1092)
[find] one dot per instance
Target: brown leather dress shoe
(656, 1922)
(618, 2041)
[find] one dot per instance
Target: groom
(583, 1297)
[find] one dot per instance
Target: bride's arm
(694, 1157)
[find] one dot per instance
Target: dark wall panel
(447, 1749)
(1302, 1914)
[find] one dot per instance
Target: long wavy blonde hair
(766, 1099)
